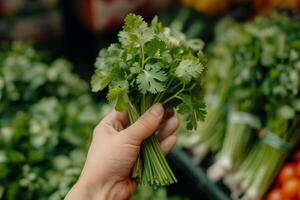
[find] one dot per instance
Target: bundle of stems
(211, 132)
(244, 79)
(239, 134)
(280, 91)
(261, 166)
(218, 84)
(263, 56)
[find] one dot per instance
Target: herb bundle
(152, 64)
(280, 59)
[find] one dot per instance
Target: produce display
(47, 117)
(252, 87)
(152, 64)
(280, 59)
(243, 80)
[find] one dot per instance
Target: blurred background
(47, 112)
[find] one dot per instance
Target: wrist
(109, 190)
(92, 190)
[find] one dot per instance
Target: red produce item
(276, 194)
(287, 172)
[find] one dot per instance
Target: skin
(114, 150)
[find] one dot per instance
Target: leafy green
(192, 105)
(151, 79)
(188, 69)
(152, 64)
(118, 95)
(100, 80)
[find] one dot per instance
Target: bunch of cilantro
(152, 64)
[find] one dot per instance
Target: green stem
(171, 98)
(143, 56)
(175, 96)
(161, 95)
(147, 59)
(151, 167)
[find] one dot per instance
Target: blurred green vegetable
(279, 39)
(46, 120)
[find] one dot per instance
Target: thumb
(146, 125)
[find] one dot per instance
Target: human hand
(114, 150)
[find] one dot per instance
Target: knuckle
(177, 122)
(145, 123)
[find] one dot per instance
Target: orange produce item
(291, 188)
(293, 4)
(208, 7)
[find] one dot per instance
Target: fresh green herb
(150, 64)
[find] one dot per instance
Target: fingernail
(156, 110)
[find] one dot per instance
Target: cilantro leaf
(119, 96)
(112, 57)
(157, 26)
(155, 47)
(151, 80)
(100, 79)
(135, 31)
(188, 69)
(193, 110)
